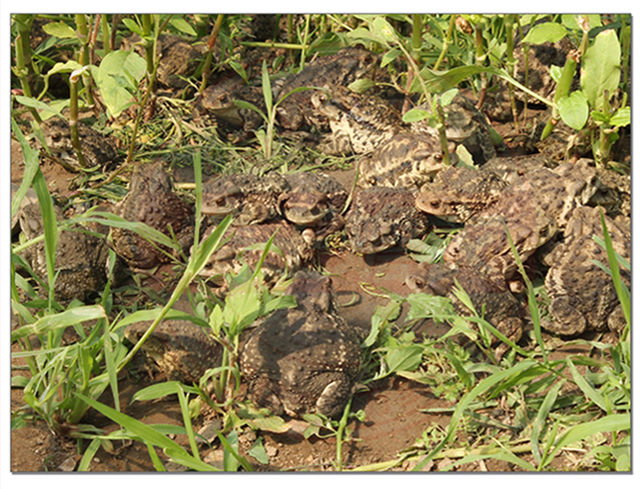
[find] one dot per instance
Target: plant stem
(82, 31)
(271, 44)
(73, 117)
(106, 34)
(21, 72)
(416, 33)
(211, 42)
(445, 42)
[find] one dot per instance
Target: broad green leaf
(361, 85)
(258, 452)
(574, 110)
(555, 72)
(364, 34)
(381, 28)
(545, 32)
(132, 25)
(117, 78)
(600, 71)
(400, 358)
(570, 21)
(274, 424)
(59, 29)
(389, 56)
(66, 67)
(36, 104)
(183, 26)
(447, 97)
(415, 115)
(621, 118)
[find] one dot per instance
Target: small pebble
(208, 431)
(215, 458)
(68, 465)
(271, 451)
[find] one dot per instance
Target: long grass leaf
(482, 387)
(541, 416)
(59, 320)
(610, 423)
(588, 390)
(186, 418)
(31, 166)
(88, 455)
(149, 435)
(621, 290)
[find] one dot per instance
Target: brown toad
(533, 208)
(179, 349)
(406, 160)
(358, 122)
(459, 192)
(304, 359)
(98, 151)
(465, 125)
(340, 69)
(491, 301)
(383, 217)
(152, 201)
(233, 120)
(251, 199)
(178, 59)
(582, 295)
(314, 201)
(80, 258)
(288, 253)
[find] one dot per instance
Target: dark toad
(304, 359)
(383, 217)
(80, 258)
(582, 295)
(98, 151)
(491, 301)
(152, 201)
(179, 349)
(289, 251)
(251, 199)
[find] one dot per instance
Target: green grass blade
(588, 390)
(266, 88)
(155, 459)
(31, 167)
(198, 259)
(621, 290)
(111, 366)
(148, 435)
(610, 423)
(186, 417)
(60, 320)
(482, 387)
(88, 455)
(538, 423)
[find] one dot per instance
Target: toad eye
(220, 201)
(435, 204)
